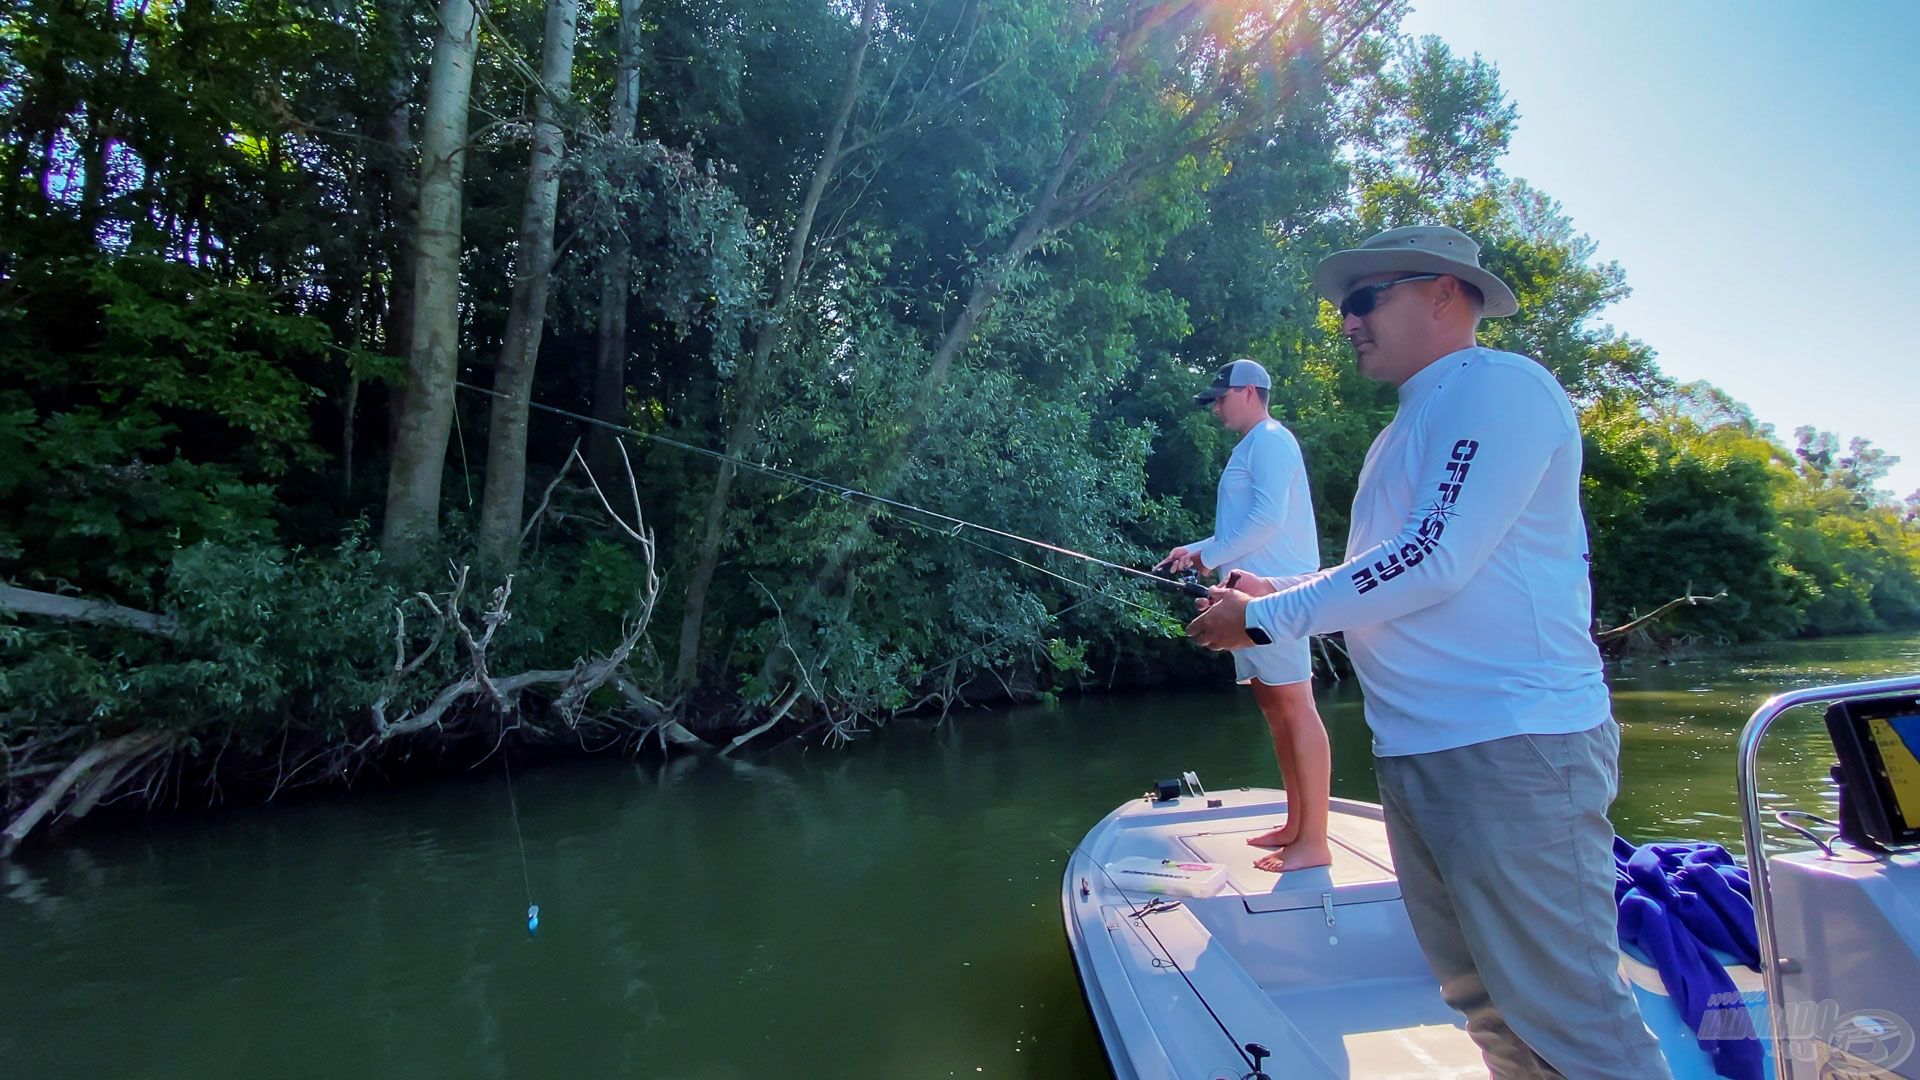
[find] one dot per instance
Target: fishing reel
(1189, 581)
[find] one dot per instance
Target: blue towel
(1677, 903)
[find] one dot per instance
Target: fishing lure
(533, 918)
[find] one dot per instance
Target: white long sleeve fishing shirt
(1464, 596)
(1263, 515)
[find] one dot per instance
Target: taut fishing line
(1189, 586)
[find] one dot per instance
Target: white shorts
(1278, 664)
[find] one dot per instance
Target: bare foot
(1300, 855)
(1278, 838)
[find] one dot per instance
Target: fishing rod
(1187, 583)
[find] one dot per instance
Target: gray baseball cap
(1232, 376)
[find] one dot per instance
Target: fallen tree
(50, 775)
(1635, 635)
(73, 608)
(535, 706)
(129, 764)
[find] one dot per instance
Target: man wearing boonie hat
(1466, 604)
(1263, 524)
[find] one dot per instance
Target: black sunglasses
(1364, 299)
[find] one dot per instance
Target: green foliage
(1068, 656)
(1430, 130)
(1861, 563)
(147, 408)
(1674, 510)
(267, 637)
(204, 235)
(1689, 492)
(271, 636)
(699, 256)
(572, 600)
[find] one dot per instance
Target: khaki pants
(1505, 857)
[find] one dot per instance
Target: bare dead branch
(576, 684)
(1327, 657)
(617, 520)
(108, 756)
(779, 714)
(1688, 600)
(102, 612)
(547, 495)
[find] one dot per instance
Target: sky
(1754, 168)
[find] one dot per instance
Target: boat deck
(1317, 965)
(1385, 1029)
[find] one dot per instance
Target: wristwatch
(1259, 635)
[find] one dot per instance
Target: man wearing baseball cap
(1465, 602)
(1263, 524)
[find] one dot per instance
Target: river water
(885, 910)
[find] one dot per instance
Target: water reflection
(889, 910)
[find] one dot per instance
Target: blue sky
(1755, 169)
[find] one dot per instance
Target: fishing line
(533, 909)
(1190, 588)
(990, 549)
(460, 440)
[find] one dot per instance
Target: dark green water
(889, 910)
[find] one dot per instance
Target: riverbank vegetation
(282, 282)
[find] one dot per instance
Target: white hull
(1318, 966)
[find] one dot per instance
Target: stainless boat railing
(1772, 964)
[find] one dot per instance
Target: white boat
(1314, 974)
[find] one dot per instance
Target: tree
(947, 70)
(1858, 472)
(1675, 507)
(616, 267)
(426, 407)
(742, 426)
(1120, 132)
(503, 504)
(1428, 132)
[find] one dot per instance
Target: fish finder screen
(1898, 740)
(1878, 743)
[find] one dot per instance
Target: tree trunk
(56, 606)
(610, 354)
(103, 126)
(402, 197)
(1059, 205)
(755, 377)
(1041, 220)
(504, 503)
(420, 445)
(616, 269)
